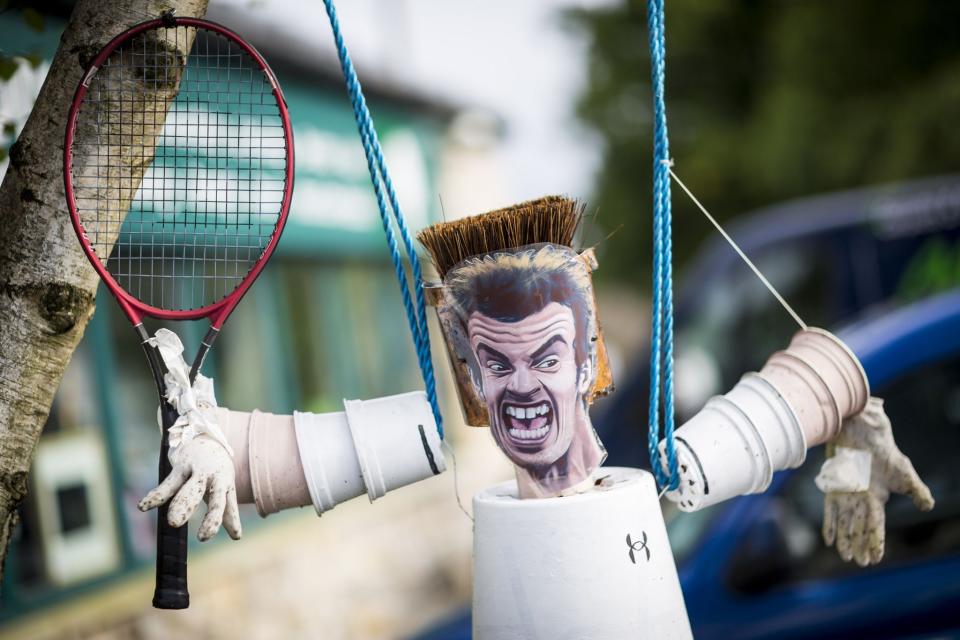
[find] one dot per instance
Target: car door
(777, 579)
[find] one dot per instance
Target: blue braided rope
(380, 177)
(423, 347)
(661, 331)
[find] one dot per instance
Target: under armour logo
(639, 545)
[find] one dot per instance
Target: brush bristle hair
(552, 219)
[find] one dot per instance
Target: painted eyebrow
(493, 352)
(546, 345)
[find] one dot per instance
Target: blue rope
(661, 331)
(380, 177)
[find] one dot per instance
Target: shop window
(349, 334)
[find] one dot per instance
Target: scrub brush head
(551, 219)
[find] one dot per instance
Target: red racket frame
(133, 308)
(171, 588)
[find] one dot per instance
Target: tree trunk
(47, 287)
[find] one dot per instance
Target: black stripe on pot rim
(428, 451)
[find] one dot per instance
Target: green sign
(334, 209)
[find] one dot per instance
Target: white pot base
(563, 567)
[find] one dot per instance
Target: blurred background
(824, 132)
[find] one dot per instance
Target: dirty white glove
(853, 518)
(201, 457)
(203, 470)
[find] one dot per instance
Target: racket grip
(171, 587)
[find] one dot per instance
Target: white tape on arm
(847, 471)
(196, 403)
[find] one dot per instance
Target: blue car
(756, 567)
(883, 264)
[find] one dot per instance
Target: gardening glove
(203, 470)
(199, 453)
(196, 403)
(863, 466)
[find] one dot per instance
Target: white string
(456, 478)
(763, 279)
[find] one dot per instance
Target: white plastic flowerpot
(734, 444)
(768, 420)
(821, 379)
(395, 439)
(594, 565)
(372, 447)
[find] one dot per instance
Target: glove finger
(878, 532)
(844, 538)
(905, 480)
(856, 534)
(829, 520)
(231, 515)
(216, 502)
(186, 501)
(859, 534)
(162, 492)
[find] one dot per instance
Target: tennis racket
(178, 172)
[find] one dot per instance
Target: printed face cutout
(522, 326)
(531, 381)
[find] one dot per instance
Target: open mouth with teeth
(528, 425)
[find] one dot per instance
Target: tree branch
(47, 287)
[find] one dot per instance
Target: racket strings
(180, 182)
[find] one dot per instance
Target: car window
(784, 545)
(829, 279)
(736, 323)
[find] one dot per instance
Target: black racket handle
(171, 589)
